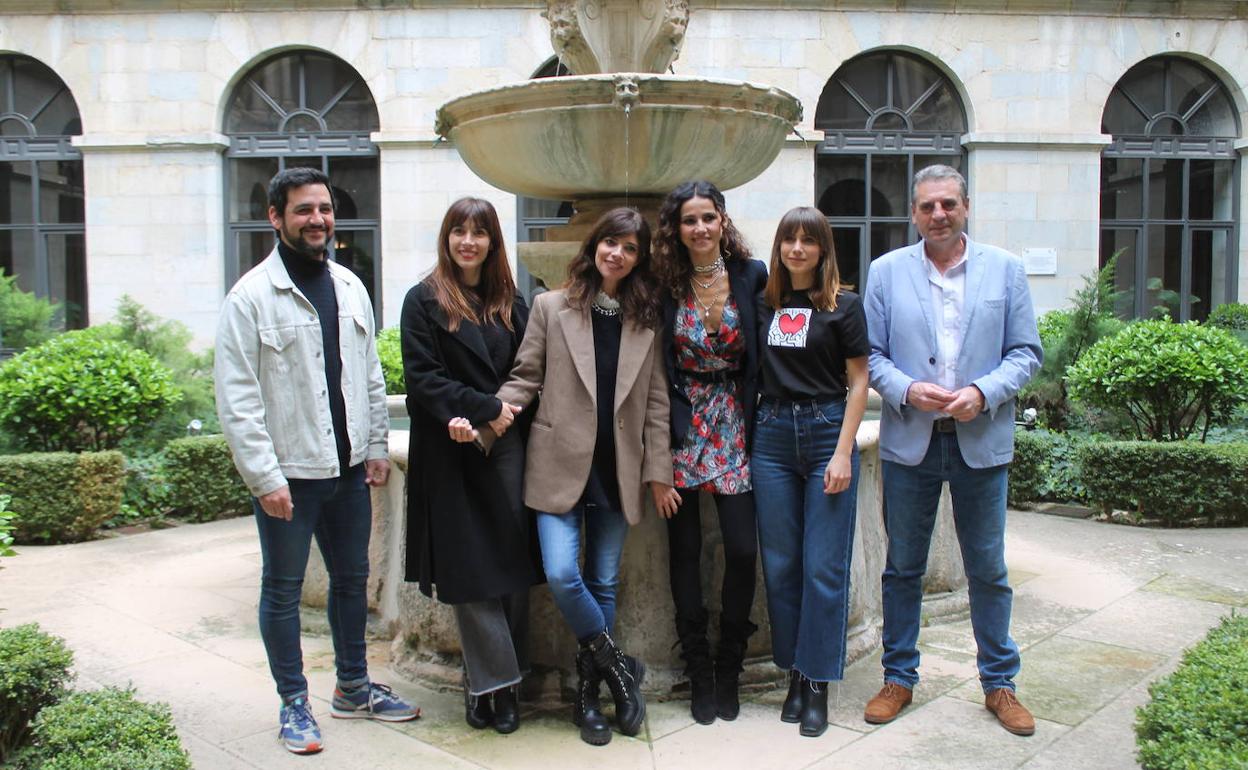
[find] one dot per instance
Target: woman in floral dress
(710, 347)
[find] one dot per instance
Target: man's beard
(297, 242)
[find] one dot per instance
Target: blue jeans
(585, 598)
(338, 513)
(806, 537)
(911, 497)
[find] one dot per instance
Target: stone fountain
(620, 133)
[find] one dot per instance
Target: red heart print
(791, 324)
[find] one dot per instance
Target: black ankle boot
(586, 710)
(734, 636)
(791, 711)
(814, 709)
(506, 710)
(477, 710)
(696, 651)
(624, 681)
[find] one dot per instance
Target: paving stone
(1195, 588)
(1150, 621)
(1066, 680)
(1105, 741)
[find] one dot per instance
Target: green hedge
(203, 482)
(62, 497)
(105, 728)
(33, 675)
(1198, 716)
(1046, 467)
(1174, 481)
(390, 353)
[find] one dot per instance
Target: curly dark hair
(639, 291)
(670, 255)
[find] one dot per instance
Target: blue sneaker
(376, 701)
(299, 732)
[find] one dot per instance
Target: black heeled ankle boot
(506, 710)
(791, 711)
(624, 681)
(696, 651)
(734, 636)
(814, 709)
(478, 712)
(586, 710)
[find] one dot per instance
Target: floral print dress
(712, 457)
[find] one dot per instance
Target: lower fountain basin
(580, 137)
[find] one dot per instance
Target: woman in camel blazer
(600, 432)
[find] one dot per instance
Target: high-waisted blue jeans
(806, 537)
(911, 497)
(338, 513)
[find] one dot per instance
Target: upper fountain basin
(596, 135)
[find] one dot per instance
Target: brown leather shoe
(887, 703)
(1012, 715)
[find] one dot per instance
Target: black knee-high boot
(696, 651)
(734, 637)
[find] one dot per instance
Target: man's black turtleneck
(312, 277)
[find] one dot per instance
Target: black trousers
(738, 527)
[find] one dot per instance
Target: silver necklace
(605, 304)
(714, 267)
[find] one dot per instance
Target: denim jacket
(270, 378)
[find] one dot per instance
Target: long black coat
(746, 279)
(466, 534)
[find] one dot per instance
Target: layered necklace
(713, 271)
(604, 304)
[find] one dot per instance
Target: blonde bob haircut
(811, 222)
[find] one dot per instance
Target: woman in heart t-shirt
(813, 342)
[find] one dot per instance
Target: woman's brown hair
(671, 258)
(497, 288)
(810, 221)
(639, 291)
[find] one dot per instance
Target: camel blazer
(557, 358)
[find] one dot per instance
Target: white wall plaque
(1040, 261)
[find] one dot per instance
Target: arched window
(42, 238)
(303, 109)
(1168, 189)
(884, 115)
(535, 215)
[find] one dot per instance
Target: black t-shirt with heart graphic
(804, 350)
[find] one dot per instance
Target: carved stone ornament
(601, 36)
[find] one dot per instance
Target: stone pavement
(1100, 611)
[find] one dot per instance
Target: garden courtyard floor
(1100, 611)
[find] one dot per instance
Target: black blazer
(466, 533)
(746, 280)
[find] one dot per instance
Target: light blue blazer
(1000, 349)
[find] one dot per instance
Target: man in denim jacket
(302, 404)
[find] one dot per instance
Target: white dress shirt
(948, 293)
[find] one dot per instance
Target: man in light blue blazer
(953, 339)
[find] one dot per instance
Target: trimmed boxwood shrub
(81, 391)
(62, 497)
(33, 675)
(203, 482)
(391, 355)
(1174, 481)
(1168, 379)
(6, 527)
(106, 728)
(1196, 719)
(1030, 467)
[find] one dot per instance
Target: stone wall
(152, 85)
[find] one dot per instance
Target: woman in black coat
(468, 532)
(710, 346)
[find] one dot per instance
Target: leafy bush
(1175, 481)
(147, 494)
(79, 392)
(62, 497)
(34, 675)
(6, 527)
(1195, 720)
(1165, 378)
(1065, 336)
(1046, 468)
(391, 355)
(203, 483)
(1229, 315)
(25, 320)
(106, 728)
